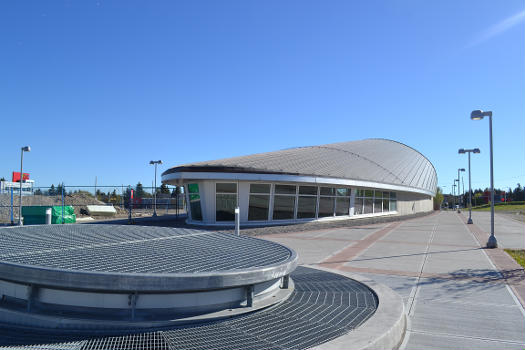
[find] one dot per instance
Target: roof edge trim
(179, 176)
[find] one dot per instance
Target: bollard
(237, 222)
(48, 216)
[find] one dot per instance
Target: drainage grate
(322, 307)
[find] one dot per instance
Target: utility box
(36, 214)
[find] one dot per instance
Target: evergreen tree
(60, 187)
(519, 193)
(139, 191)
(52, 191)
(164, 189)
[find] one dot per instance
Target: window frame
(236, 194)
(270, 200)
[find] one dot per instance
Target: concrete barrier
(101, 210)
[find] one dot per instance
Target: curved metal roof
(374, 160)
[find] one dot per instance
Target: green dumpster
(36, 214)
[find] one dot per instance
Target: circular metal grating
(136, 249)
(322, 307)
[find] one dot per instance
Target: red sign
(16, 176)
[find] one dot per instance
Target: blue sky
(99, 88)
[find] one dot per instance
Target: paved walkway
(457, 295)
(509, 232)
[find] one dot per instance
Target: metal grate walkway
(322, 307)
(135, 249)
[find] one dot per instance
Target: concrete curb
(385, 330)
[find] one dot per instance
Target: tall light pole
(469, 151)
(155, 162)
(24, 149)
(454, 192)
(478, 115)
(459, 187)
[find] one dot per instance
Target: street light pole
(459, 188)
(478, 115)
(454, 193)
(155, 162)
(469, 151)
(24, 149)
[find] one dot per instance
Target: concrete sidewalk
(457, 295)
(509, 232)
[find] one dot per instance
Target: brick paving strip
(338, 260)
(511, 273)
(510, 270)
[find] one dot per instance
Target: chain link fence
(96, 202)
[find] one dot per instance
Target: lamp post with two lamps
(478, 115)
(155, 162)
(24, 149)
(469, 151)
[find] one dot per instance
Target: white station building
(372, 177)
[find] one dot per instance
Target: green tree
(519, 193)
(52, 191)
(438, 198)
(2, 179)
(164, 189)
(38, 192)
(60, 187)
(139, 191)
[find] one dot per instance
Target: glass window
(225, 201)
(386, 194)
(259, 188)
(369, 193)
(385, 205)
(326, 206)
(195, 207)
(343, 191)
(258, 207)
(359, 193)
(306, 207)
(311, 190)
(368, 206)
(327, 191)
(378, 205)
(226, 188)
(284, 189)
(358, 206)
(342, 206)
(378, 194)
(392, 195)
(225, 207)
(393, 205)
(193, 188)
(283, 207)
